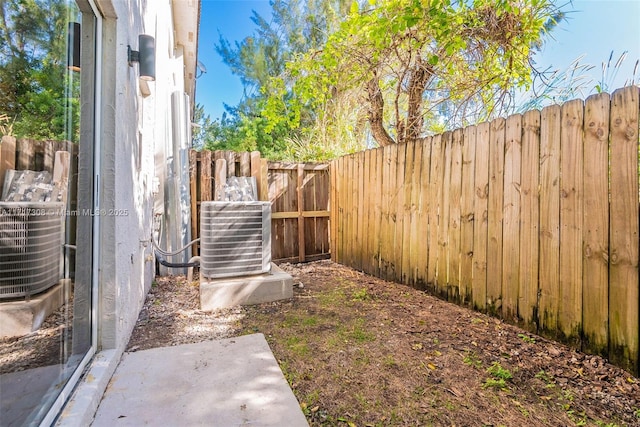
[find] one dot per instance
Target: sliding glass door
(48, 78)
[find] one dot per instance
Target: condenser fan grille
(30, 247)
(235, 238)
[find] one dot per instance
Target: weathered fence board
(535, 218)
(282, 184)
(377, 210)
(623, 231)
(466, 213)
(455, 194)
(595, 283)
(495, 212)
(398, 212)
(386, 241)
(549, 265)
(361, 196)
(29, 154)
(481, 218)
(422, 234)
(412, 242)
(529, 220)
(349, 232)
(358, 221)
(7, 156)
(511, 217)
(367, 184)
(193, 191)
(444, 198)
(435, 177)
(333, 200)
(571, 144)
(409, 213)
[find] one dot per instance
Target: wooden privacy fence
(534, 218)
(298, 192)
(30, 154)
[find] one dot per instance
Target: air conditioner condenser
(235, 239)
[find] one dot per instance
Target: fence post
(193, 188)
(245, 163)
(263, 186)
(301, 253)
(205, 176)
(255, 170)
(220, 179)
(25, 157)
(230, 157)
(624, 347)
(7, 157)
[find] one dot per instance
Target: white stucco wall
(142, 128)
(135, 130)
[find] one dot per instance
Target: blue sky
(594, 28)
(231, 18)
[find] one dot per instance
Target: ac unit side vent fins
(235, 239)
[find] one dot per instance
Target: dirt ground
(360, 351)
(39, 348)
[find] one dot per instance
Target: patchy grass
(359, 351)
(498, 377)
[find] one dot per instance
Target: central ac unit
(235, 239)
(31, 238)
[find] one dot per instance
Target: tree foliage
(295, 27)
(409, 64)
(34, 83)
(239, 133)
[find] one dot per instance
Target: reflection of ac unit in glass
(235, 238)
(31, 236)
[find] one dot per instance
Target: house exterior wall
(136, 130)
(135, 138)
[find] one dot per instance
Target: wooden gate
(299, 193)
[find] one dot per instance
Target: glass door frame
(65, 393)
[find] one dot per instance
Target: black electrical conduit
(176, 264)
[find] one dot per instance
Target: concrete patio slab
(246, 290)
(230, 382)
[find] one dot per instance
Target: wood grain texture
(455, 217)
(571, 169)
(511, 217)
(435, 193)
(529, 221)
(481, 217)
(549, 267)
(495, 212)
(469, 143)
(443, 220)
(595, 219)
(623, 231)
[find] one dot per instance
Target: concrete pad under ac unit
(246, 290)
(21, 317)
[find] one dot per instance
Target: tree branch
(376, 113)
(420, 77)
